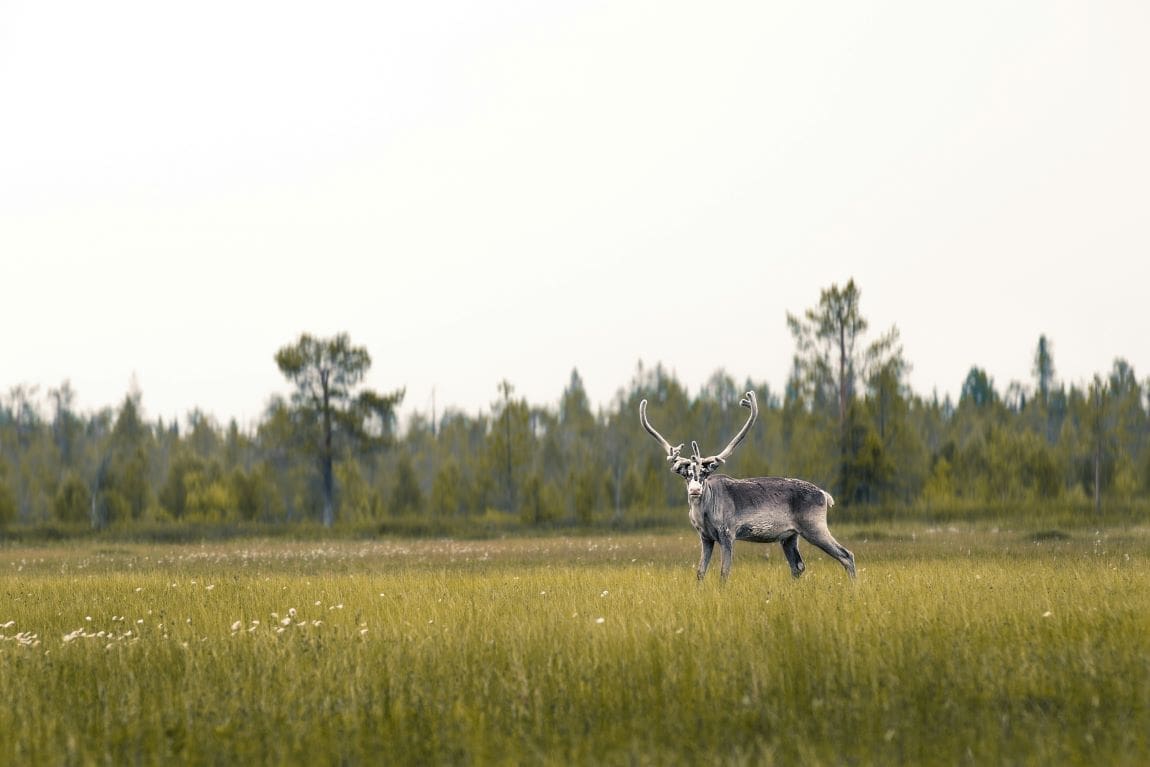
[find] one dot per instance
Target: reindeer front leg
(727, 547)
(707, 546)
(727, 550)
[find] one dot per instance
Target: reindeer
(762, 509)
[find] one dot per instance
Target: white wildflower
(237, 625)
(600, 620)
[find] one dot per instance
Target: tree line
(332, 451)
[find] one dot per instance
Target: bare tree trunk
(99, 513)
(328, 471)
(842, 379)
(328, 491)
(844, 441)
(618, 493)
(510, 480)
(1098, 480)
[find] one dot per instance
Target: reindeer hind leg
(821, 537)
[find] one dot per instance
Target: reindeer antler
(672, 452)
(750, 403)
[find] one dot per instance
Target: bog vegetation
(333, 454)
(956, 645)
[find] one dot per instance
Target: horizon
(41, 401)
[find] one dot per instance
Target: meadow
(956, 645)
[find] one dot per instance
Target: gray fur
(764, 509)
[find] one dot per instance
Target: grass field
(954, 646)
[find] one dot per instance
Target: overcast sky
(485, 190)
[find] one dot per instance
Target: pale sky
(485, 190)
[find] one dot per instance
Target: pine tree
(327, 374)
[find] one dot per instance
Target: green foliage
(978, 389)
(335, 445)
(125, 477)
(540, 502)
(868, 471)
(939, 487)
(507, 451)
(406, 498)
(251, 492)
(210, 497)
(447, 491)
(7, 504)
(358, 500)
(73, 501)
(326, 374)
(1006, 466)
(584, 487)
(830, 362)
(174, 492)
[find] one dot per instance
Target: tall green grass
(954, 646)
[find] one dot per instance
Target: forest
(333, 453)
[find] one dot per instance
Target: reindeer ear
(710, 466)
(681, 466)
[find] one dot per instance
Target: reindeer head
(697, 468)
